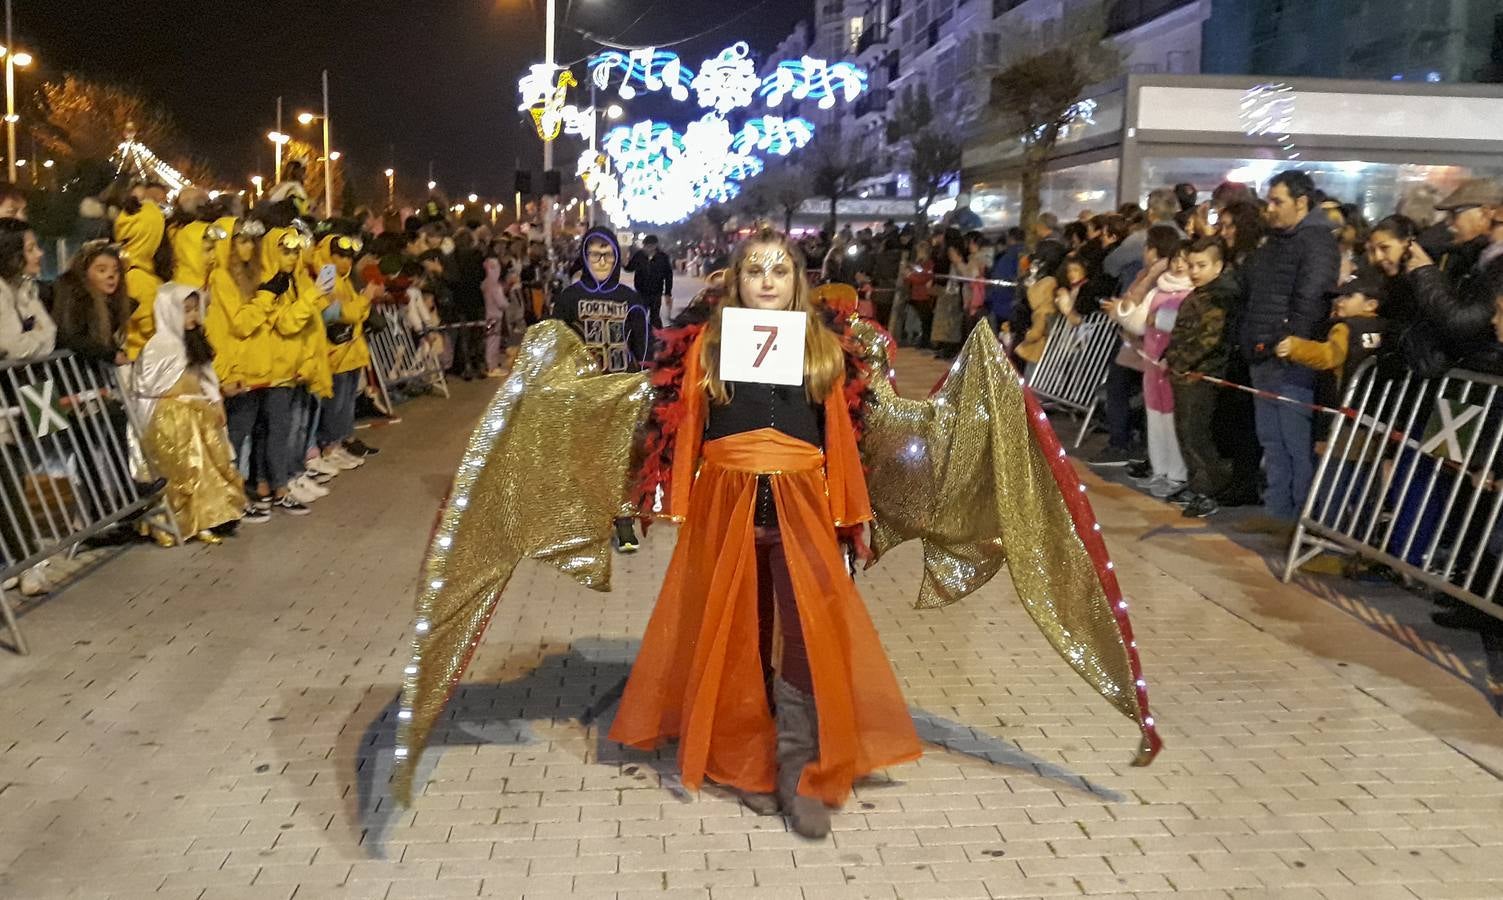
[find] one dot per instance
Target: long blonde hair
(824, 359)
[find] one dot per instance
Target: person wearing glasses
(614, 320)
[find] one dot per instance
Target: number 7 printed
(772, 338)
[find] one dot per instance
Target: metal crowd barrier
(1074, 364)
(65, 472)
(399, 360)
(1410, 478)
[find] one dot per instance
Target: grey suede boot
(761, 804)
(798, 745)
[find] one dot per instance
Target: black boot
(798, 745)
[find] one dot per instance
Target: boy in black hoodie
(614, 320)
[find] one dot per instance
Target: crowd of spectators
(1286, 293)
(285, 306)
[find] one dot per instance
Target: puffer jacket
(1288, 280)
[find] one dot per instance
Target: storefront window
(1065, 193)
(1376, 187)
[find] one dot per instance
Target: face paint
(767, 258)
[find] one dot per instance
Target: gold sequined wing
(977, 474)
(543, 476)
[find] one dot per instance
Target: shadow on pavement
(580, 686)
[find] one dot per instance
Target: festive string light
(774, 134)
(648, 171)
(727, 82)
(651, 68)
(813, 79)
(544, 99)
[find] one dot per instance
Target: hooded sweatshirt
(237, 322)
(613, 319)
(190, 264)
(140, 235)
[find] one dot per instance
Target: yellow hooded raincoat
(140, 234)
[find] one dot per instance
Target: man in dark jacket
(1287, 281)
(652, 273)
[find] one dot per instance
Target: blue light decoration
(649, 172)
(773, 134)
(649, 67)
(813, 79)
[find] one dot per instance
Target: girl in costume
(760, 657)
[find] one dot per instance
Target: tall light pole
(277, 175)
(13, 58)
(328, 158)
(391, 188)
(277, 139)
(548, 53)
(308, 118)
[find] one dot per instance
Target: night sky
(410, 81)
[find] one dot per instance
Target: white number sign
(762, 345)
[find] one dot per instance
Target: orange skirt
(698, 677)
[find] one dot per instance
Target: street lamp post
(277, 139)
(13, 58)
(256, 182)
(548, 53)
(391, 188)
(308, 118)
(328, 157)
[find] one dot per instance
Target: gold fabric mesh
(187, 444)
(962, 472)
(543, 477)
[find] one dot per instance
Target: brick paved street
(216, 722)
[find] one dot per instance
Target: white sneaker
(10, 584)
(342, 458)
(312, 486)
(298, 490)
(1166, 488)
(323, 466)
(34, 581)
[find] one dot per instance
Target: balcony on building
(1125, 15)
(873, 101)
(871, 36)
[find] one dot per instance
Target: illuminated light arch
(649, 172)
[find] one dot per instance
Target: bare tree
(86, 119)
(931, 152)
(788, 186)
(1038, 95)
(834, 172)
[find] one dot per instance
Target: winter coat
(999, 298)
(1447, 326)
(26, 331)
(1199, 341)
(652, 275)
(1288, 281)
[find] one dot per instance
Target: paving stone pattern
(216, 722)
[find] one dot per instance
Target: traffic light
(552, 183)
(523, 182)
